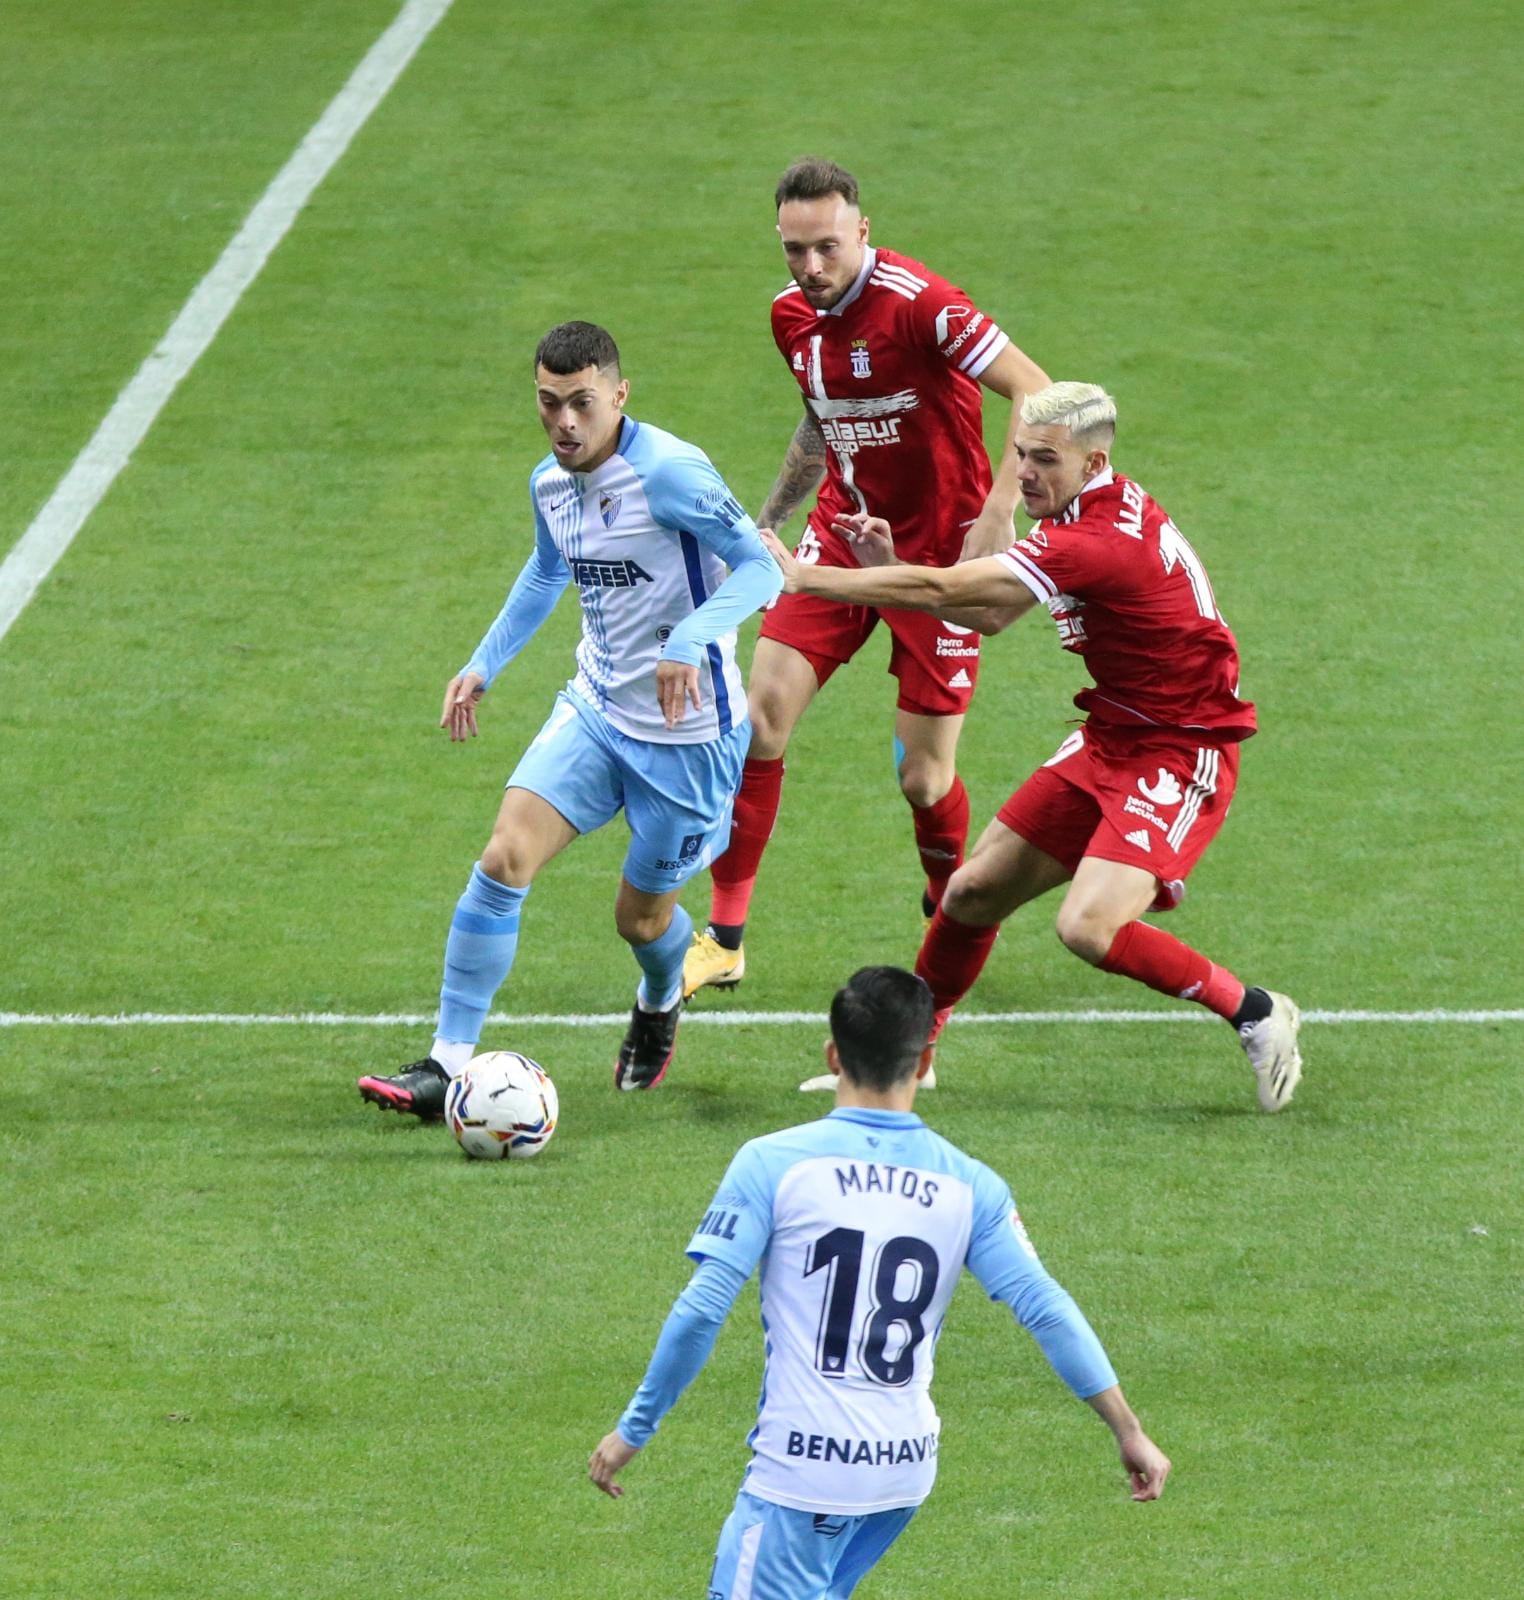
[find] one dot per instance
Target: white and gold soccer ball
(503, 1104)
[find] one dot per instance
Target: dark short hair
(571, 346)
(880, 1021)
(812, 178)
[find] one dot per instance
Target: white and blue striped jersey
(646, 537)
(861, 1223)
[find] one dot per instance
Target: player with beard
(890, 359)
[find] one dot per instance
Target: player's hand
(785, 559)
(611, 1457)
(870, 539)
(676, 685)
(1147, 1465)
(460, 698)
(988, 533)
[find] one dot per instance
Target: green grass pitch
(257, 1340)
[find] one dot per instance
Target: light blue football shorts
(677, 798)
(772, 1552)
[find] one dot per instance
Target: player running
(889, 358)
(861, 1223)
(653, 722)
(1127, 804)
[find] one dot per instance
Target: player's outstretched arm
(804, 465)
(871, 541)
(1147, 1465)
(942, 590)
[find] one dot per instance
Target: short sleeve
(739, 1222)
(964, 336)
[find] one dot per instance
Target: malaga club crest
(608, 507)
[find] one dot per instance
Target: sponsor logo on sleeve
(947, 317)
(722, 505)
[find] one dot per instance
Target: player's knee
(923, 782)
(771, 724)
(641, 926)
(507, 859)
(968, 899)
(1086, 930)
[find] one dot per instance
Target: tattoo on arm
(804, 465)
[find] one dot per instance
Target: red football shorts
(936, 663)
(1150, 799)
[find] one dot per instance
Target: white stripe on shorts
(746, 1563)
(1203, 784)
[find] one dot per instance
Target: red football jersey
(1131, 596)
(891, 373)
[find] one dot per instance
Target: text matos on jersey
(862, 1223)
(891, 374)
(646, 537)
(1130, 595)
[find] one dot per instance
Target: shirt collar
(876, 1118)
(1101, 480)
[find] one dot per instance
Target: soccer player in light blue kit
(653, 722)
(860, 1223)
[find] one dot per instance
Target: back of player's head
(571, 346)
(880, 1021)
(813, 178)
(1085, 409)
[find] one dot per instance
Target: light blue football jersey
(646, 538)
(862, 1223)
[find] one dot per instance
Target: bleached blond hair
(1085, 409)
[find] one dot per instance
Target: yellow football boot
(709, 965)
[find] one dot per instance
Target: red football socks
(940, 834)
(1158, 959)
(734, 874)
(952, 956)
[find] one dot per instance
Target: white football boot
(1270, 1045)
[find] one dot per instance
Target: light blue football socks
(661, 961)
(484, 936)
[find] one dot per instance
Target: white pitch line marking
(718, 1019)
(97, 466)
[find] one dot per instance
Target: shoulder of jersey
(653, 446)
(901, 275)
(790, 306)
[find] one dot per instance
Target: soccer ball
(503, 1104)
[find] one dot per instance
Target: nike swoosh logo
(555, 505)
